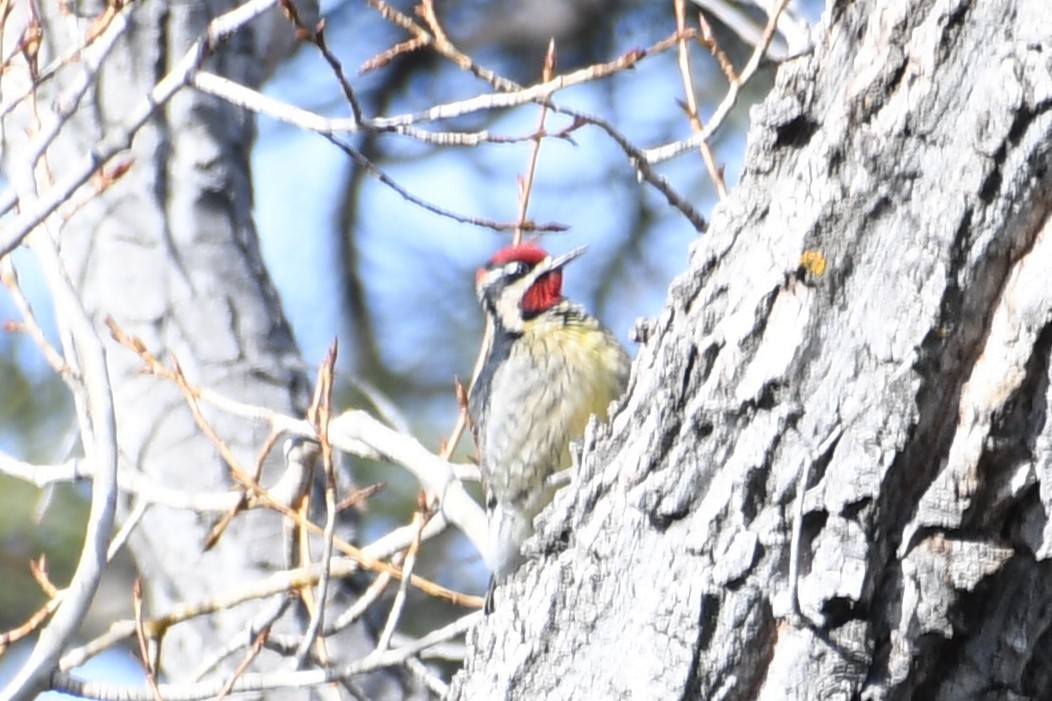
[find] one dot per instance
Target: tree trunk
(868, 314)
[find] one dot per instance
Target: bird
(545, 368)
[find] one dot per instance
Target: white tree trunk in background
(170, 252)
(903, 370)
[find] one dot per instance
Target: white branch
(277, 680)
(99, 435)
(355, 428)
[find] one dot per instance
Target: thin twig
(140, 635)
(316, 36)
(29, 324)
(515, 95)
(356, 498)
(659, 154)
(534, 93)
(440, 43)
(130, 524)
(264, 619)
(638, 159)
(67, 683)
(192, 397)
(243, 502)
(692, 101)
(354, 432)
(277, 583)
(526, 185)
(385, 57)
(420, 519)
(380, 175)
(250, 654)
(30, 625)
(362, 604)
(708, 40)
(319, 415)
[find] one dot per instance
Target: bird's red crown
(529, 253)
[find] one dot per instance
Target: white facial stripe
(508, 309)
(508, 303)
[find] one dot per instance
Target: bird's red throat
(545, 293)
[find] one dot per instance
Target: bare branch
(319, 414)
(99, 436)
(692, 101)
(69, 684)
(668, 151)
(526, 185)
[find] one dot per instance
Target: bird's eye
(515, 269)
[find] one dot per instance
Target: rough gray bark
(170, 252)
(908, 382)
